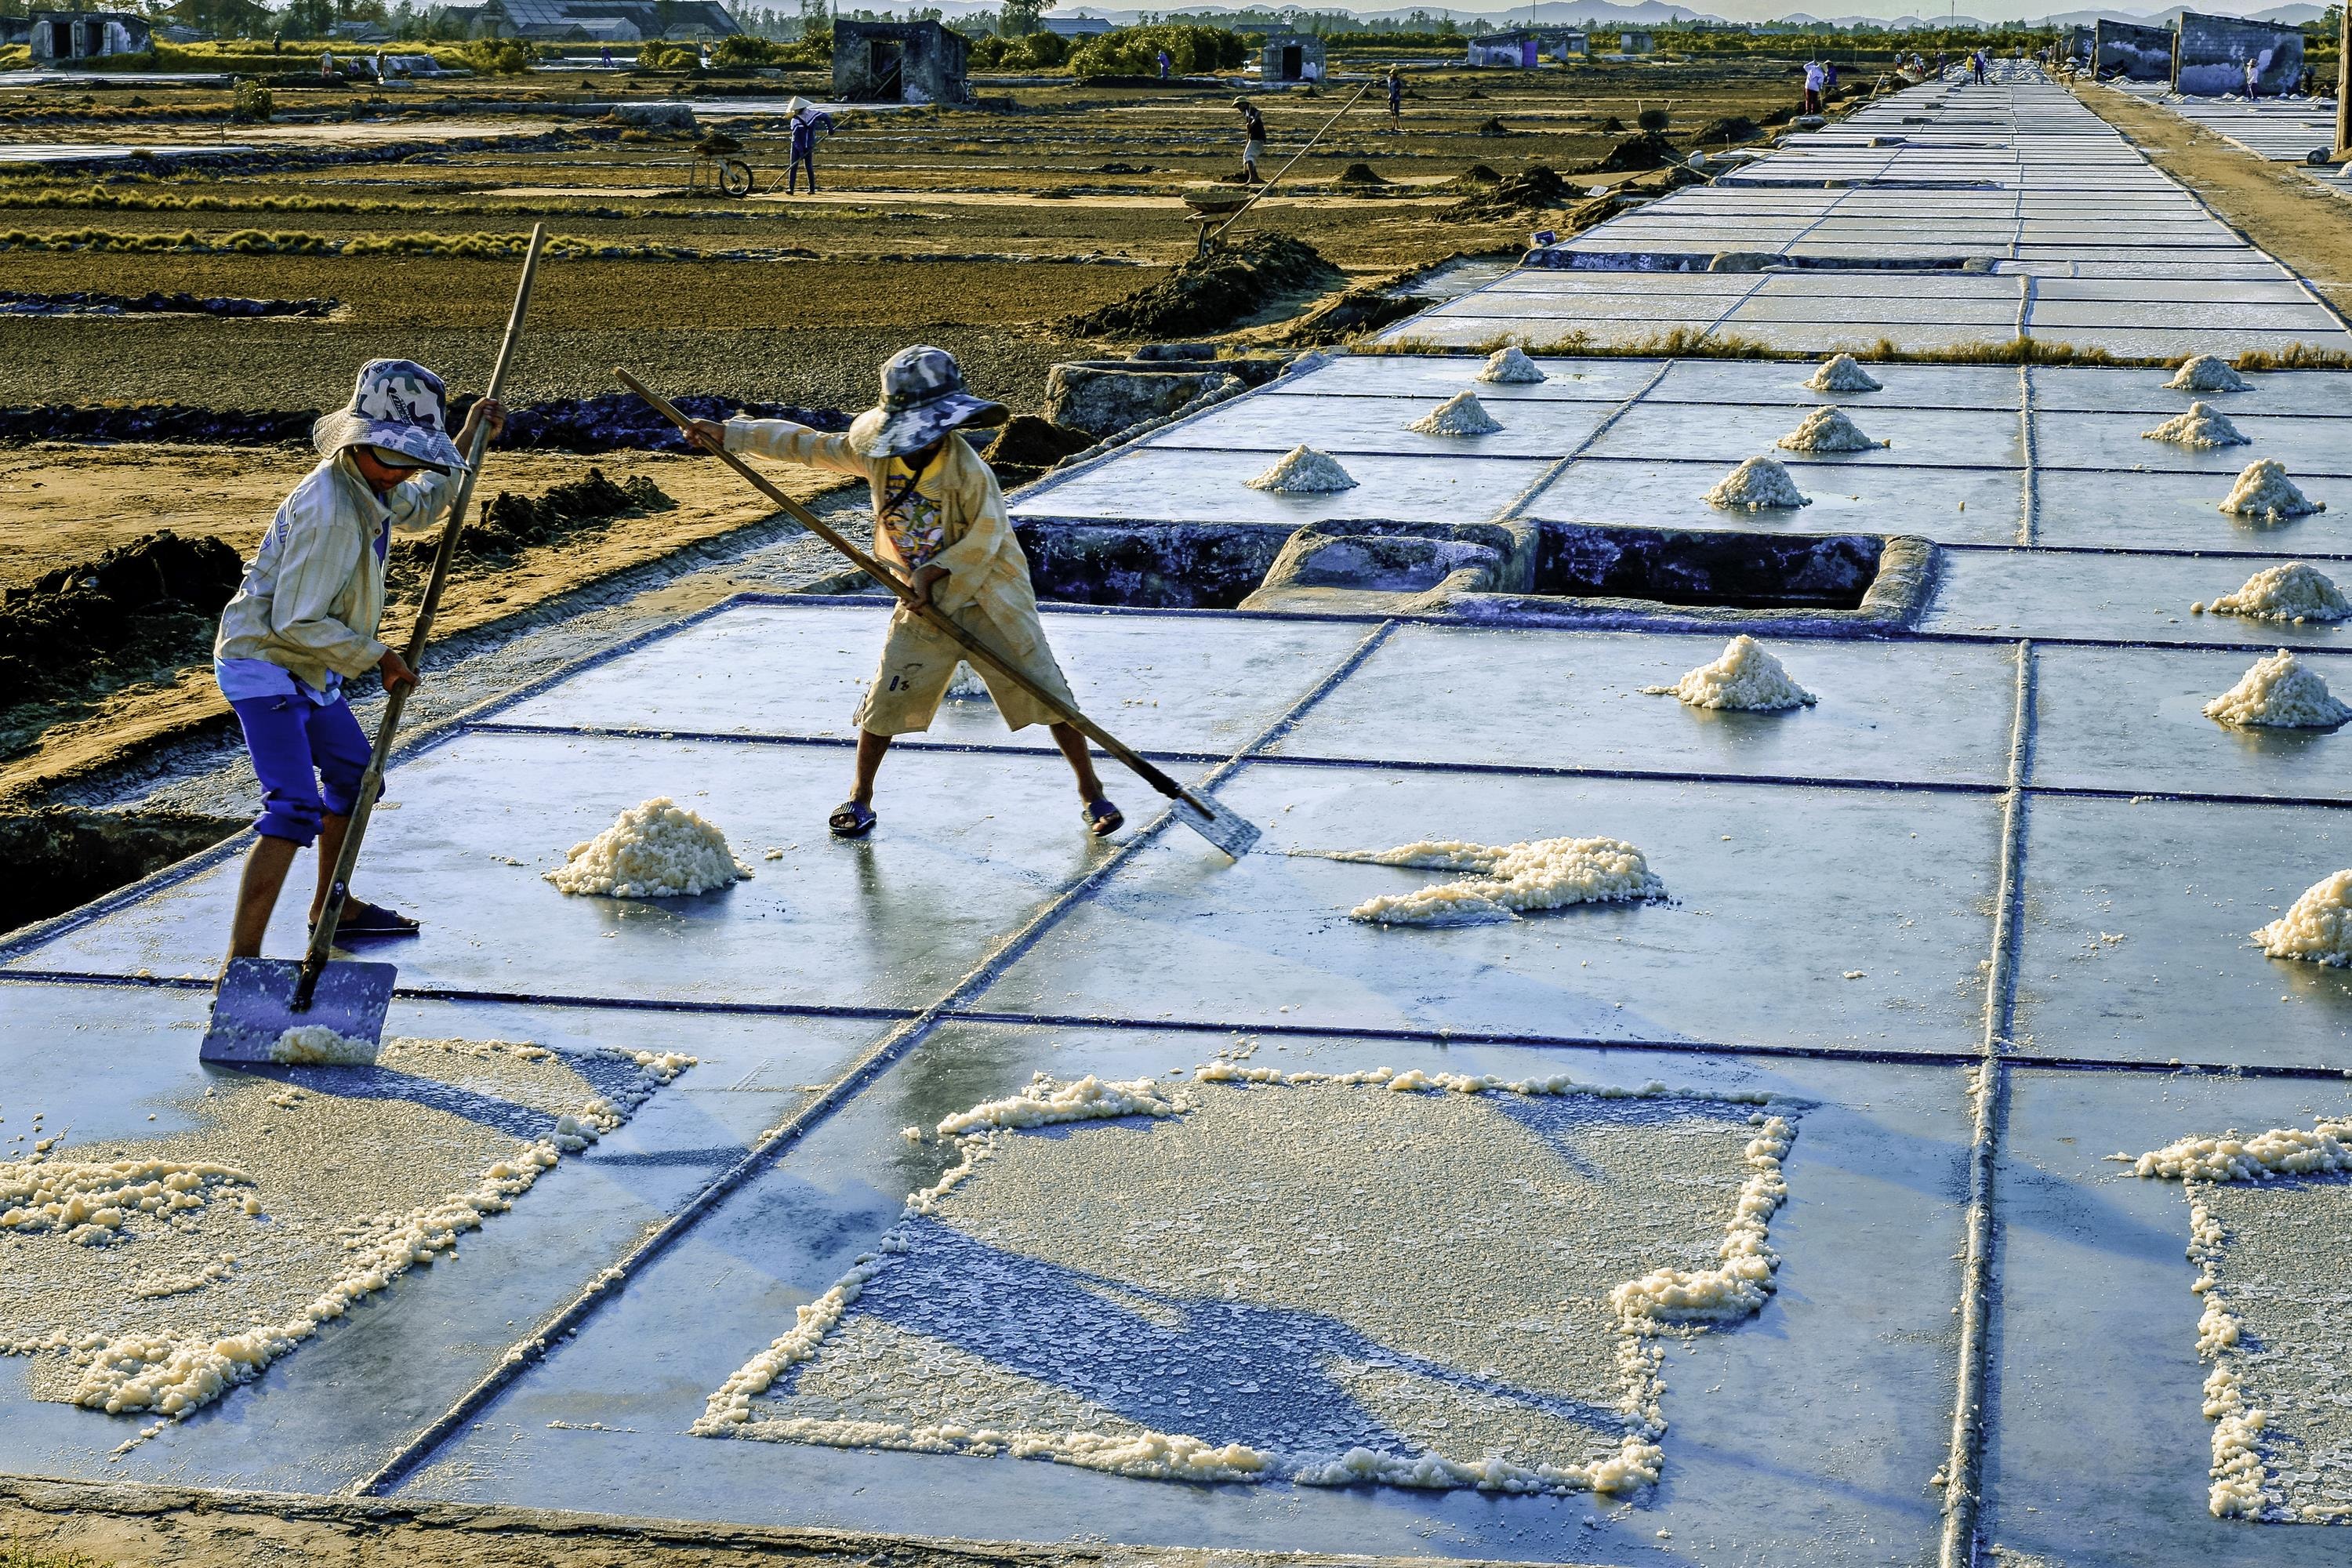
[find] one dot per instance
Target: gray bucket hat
(923, 398)
(397, 404)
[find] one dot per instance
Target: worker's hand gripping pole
(322, 929)
(1228, 832)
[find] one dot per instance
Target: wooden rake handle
(923, 609)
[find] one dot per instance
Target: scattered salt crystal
(1755, 485)
(1543, 874)
(316, 1045)
(1303, 470)
(1460, 415)
(2281, 692)
(1843, 373)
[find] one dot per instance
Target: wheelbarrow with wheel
(715, 155)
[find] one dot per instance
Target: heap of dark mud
(614, 423)
(1211, 293)
(14, 303)
(511, 524)
(1532, 189)
(147, 604)
(623, 422)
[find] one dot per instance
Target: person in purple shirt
(808, 120)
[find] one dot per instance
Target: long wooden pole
(930, 614)
(2343, 84)
(1287, 167)
(322, 929)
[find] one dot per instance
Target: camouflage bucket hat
(923, 398)
(399, 405)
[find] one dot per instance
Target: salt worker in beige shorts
(939, 519)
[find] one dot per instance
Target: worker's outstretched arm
(782, 440)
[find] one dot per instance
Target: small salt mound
(1460, 415)
(966, 686)
(2319, 929)
(1842, 373)
(2294, 591)
(2263, 490)
(1828, 430)
(1745, 676)
(2207, 372)
(658, 850)
(2279, 692)
(2200, 427)
(1544, 874)
(1304, 471)
(1756, 485)
(1509, 366)
(316, 1045)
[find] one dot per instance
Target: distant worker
(1253, 140)
(1396, 99)
(939, 521)
(304, 621)
(1165, 65)
(606, 53)
(705, 56)
(806, 121)
(379, 68)
(1978, 61)
(1815, 79)
(276, 43)
(327, 65)
(1829, 81)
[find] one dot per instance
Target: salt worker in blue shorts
(304, 621)
(940, 520)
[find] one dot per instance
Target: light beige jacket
(314, 594)
(986, 569)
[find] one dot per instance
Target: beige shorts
(918, 661)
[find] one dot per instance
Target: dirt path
(124, 1526)
(2309, 228)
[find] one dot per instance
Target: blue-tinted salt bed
(1836, 877)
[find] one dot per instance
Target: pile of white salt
(1841, 373)
(2280, 692)
(2200, 427)
(2207, 372)
(2294, 591)
(2317, 929)
(657, 850)
(1745, 676)
(1509, 366)
(2265, 492)
(1460, 415)
(1827, 430)
(1757, 484)
(1542, 874)
(1304, 471)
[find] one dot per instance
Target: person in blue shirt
(807, 120)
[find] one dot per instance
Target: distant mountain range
(1653, 14)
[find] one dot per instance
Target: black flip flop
(362, 919)
(1102, 818)
(851, 820)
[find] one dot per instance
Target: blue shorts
(308, 756)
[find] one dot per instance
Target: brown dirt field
(2309, 228)
(60, 504)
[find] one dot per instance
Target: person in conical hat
(806, 121)
(939, 522)
(304, 621)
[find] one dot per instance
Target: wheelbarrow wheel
(735, 177)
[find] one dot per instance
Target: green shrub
(1652, 121)
(1135, 51)
(654, 55)
(1028, 52)
(251, 103)
(498, 57)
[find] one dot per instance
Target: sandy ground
(60, 504)
(2275, 208)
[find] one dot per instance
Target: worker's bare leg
(870, 748)
(257, 894)
(1081, 760)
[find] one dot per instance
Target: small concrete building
(1636, 44)
(1291, 56)
(84, 35)
(898, 62)
(1565, 46)
(1513, 50)
(2134, 52)
(2210, 55)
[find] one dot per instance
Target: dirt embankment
(1214, 293)
(2309, 228)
